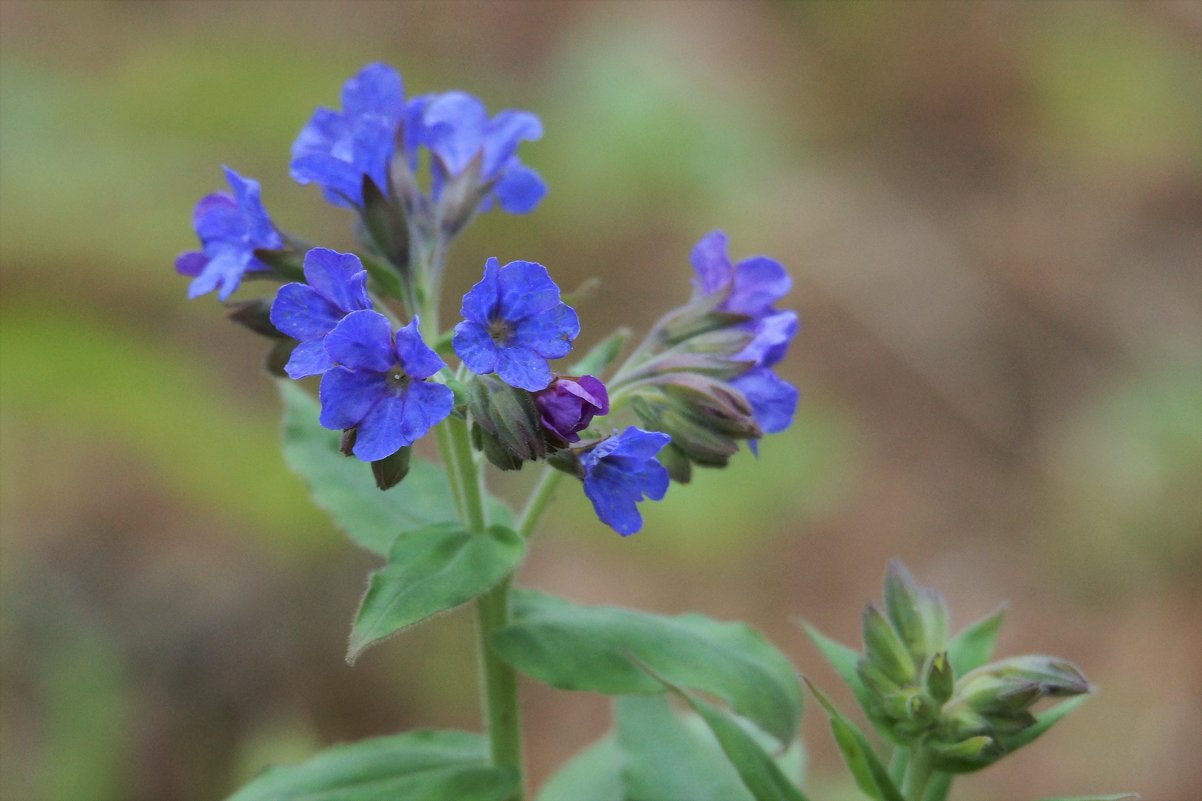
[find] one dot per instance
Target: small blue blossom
(336, 285)
(750, 288)
(231, 228)
(460, 135)
(378, 386)
(513, 322)
(336, 150)
(620, 471)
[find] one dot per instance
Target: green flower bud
(940, 678)
(390, 470)
(885, 649)
(967, 755)
(505, 422)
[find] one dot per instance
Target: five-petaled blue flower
(513, 322)
(462, 138)
(620, 471)
(750, 288)
(231, 228)
(378, 386)
(336, 150)
(336, 286)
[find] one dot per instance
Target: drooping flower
(231, 228)
(468, 146)
(336, 285)
(620, 471)
(337, 149)
(379, 387)
(750, 288)
(513, 323)
(568, 405)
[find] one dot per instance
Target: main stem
(918, 773)
(498, 681)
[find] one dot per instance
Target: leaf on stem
(414, 765)
(430, 571)
(575, 647)
(974, 644)
(866, 767)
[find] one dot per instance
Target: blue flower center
(396, 378)
(500, 330)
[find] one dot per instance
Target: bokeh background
(993, 213)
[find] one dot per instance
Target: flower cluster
(416, 170)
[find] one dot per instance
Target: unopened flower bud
(940, 678)
(885, 649)
(256, 316)
(967, 755)
(568, 405)
(505, 422)
(917, 613)
(390, 470)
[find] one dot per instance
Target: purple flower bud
(569, 405)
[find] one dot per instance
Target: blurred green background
(993, 212)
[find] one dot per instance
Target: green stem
(918, 773)
(536, 504)
(898, 764)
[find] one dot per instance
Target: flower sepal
(384, 227)
(505, 422)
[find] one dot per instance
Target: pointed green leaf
(430, 571)
(1044, 720)
(866, 767)
(416, 766)
(344, 486)
(842, 658)
(974, 645)
(1113, 797)
(662, 759)
(576, 647)
(593, 773)
(759, 772)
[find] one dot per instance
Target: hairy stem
(536, 504)
(918, 773)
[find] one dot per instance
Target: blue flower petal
(342, 182)
(455, 126)
(520, 189)
(303, 314)
(426, 405)
(348, 395)
(773, 400)
(362, 341)
(417, 359)
(758, 283)
(773, 333)
(190, 263)
(216, 219)
(620, 471)
(475, 347)
(339, 277)
(613, 505)
(522, 368)
(375, 89)
(711, 264)
(308, 358)
(223, 272)
(381, 432)
(525, 289)
(480, 302)
(548, 333)
(505, 131)
(257, 225)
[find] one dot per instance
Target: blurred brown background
(993, 212)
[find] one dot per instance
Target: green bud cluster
(913, 696)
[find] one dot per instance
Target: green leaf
(760, 773)
(662, 759)
(430, 571)
(973, 646)
(866, 767)
(842, 658)
(416, 766)
(593, 773)
(1113, 797)
(590, 648)
(345, 488)
(1044, 720)
(602, 354)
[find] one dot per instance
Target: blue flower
(378, 386)
(230, 228)
(336, 286)
(336, 150)
(463, 139)
(620, 471)
(750, 288)
(513, 322)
